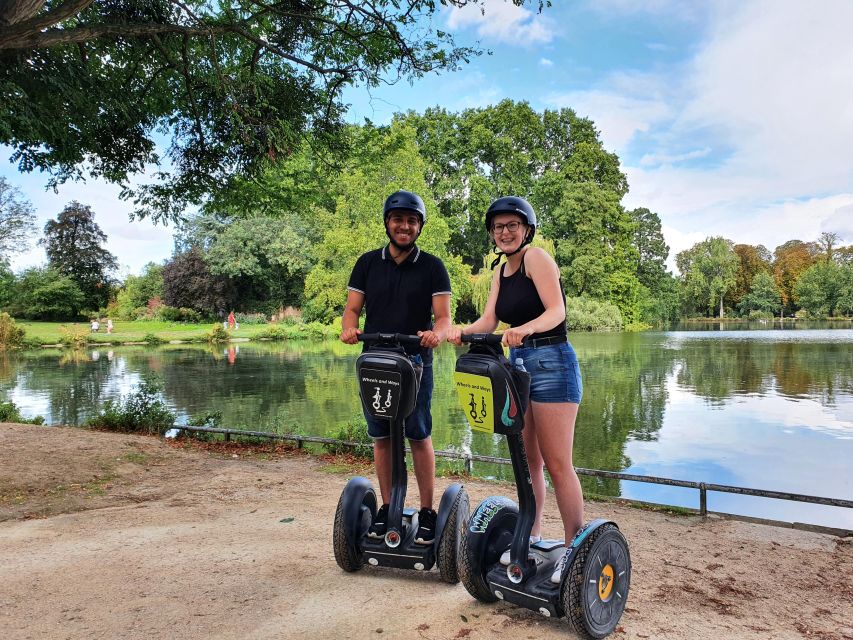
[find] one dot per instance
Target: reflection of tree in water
(624, 378)
(74, 383)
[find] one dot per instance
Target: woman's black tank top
(519, 302)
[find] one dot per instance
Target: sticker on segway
(484, 514)
(475, 398)
(380, 392)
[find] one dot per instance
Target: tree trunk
(721, 306)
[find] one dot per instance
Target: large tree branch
(23, 19)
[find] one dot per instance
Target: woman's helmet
(407, 201)
(518, 206)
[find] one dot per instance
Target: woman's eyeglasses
(512, 227)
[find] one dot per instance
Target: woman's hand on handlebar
(454, 336)
(350, 335)
(514, 336)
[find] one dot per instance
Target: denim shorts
(419, 423)
(554, 372)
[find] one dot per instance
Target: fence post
(227, 436)
(703, 500)
(298, 442)
(469, 465)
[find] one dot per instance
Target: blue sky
(731, 119)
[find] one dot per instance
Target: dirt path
(117, 536)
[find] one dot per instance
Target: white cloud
(502, 21)
(545, 62)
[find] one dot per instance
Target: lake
(767, 408)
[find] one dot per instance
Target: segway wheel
(485, 536)
(348, 553)
(448, 545)
(596, 588)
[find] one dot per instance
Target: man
(403, 288)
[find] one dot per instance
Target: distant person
(232, 321)
(109, 325)
(95, 325)
(526, 293)
(402, 289)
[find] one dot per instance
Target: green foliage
(11, 335)
(250, 318)
(819, 288)
(354, 430)
(763, 297)
(9, 413)
(218, 334)
(180, 314)
(140, 412)
(42, 293)
(137, 291)
(586, 314)
(152, 339)
(281, 332)
(74, 336)
(708, 271)
(207, 419)
(232, 86)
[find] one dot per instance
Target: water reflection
(766, 409)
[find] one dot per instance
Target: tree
(188, 282)
(819, 288)
(751, 260)
(73, 246)
(43, 293)
(789, 261)
(17, 220)
(763, 295)
(827, 242)
(708, 271)
(233, 83)
(138, 290)
(649, 240)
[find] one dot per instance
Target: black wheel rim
(606, 582)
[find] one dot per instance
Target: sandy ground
(117, 536)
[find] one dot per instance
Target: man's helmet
(407, 201)
(516, 205)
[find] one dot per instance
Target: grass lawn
(130, 331)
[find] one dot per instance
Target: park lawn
(129, 331)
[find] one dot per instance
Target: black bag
(492, 393)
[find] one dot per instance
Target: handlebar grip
(400, 338)
(482, 338)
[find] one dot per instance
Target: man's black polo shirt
(398, 298)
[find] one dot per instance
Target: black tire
(480, 550)
(448, 545)
(348, 553)
(596, 588)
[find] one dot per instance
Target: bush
(10, 413)
(152, 339)
(586, 314)
(354, 430)
(141, 412)
(755, 314)
(250, 318)
(218, 334)
(11, 335)
(74, 336)
(177, 314)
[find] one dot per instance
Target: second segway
(597, 574)
(388, 387)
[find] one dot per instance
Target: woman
(526, 293)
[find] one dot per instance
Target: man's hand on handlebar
(350, 335)
(429, 339)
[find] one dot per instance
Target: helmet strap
(499, 254)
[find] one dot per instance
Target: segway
(597, 575)
(388, 386)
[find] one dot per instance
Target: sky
(730, 118)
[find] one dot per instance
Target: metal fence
(470, 458)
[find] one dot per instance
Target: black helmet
(516, 205)
(407, 201)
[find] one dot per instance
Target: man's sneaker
(426, 526)
(557, 576)
(505, 556)
(380, 523)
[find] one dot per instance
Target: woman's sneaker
(426, 526)
(380, 523)
(557, 576)
(505, 556)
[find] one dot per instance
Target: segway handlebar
(398, 338)
(482, 338)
